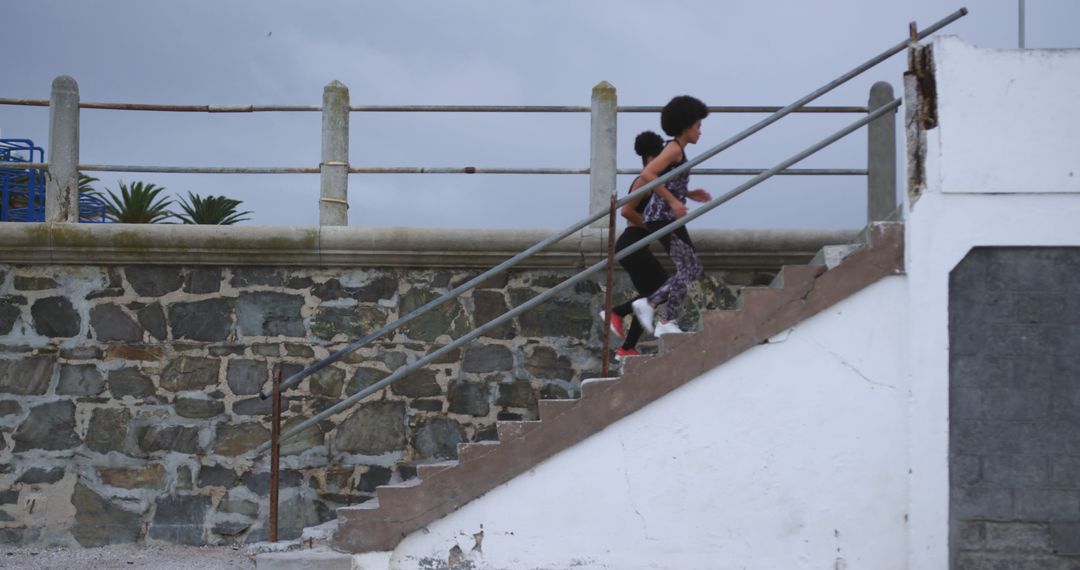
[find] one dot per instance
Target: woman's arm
(671, 153)
(629, 209)
(699, 195)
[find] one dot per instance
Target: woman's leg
(623, 309)
(634, 334)
(687, 268)
(647, 275)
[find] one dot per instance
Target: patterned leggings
(687, 268)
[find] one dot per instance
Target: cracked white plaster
(630, 494)
(806, 339)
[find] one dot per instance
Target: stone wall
(1014, 393)
(128, 395)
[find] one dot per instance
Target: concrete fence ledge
(337, 246)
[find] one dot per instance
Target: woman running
(644, 269)
(681, 118)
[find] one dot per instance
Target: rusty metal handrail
(249, 108)
(428, 170)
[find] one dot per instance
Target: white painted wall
(1008, 118)
(1005, 125)
(789, 456)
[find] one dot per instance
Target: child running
(644, 269)
(681, 118)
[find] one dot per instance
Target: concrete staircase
(796, 293)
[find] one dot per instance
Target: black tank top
(640, 208)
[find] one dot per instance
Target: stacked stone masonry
(1014, 328)
(128, 395)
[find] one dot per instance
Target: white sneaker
(644, 312)
(668, 328)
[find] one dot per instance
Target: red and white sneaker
(616, 325)
(622, 353)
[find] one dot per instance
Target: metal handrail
(295, 378)
(583, 109)
(248, 108)
(428, 170)
(598, 266)
(457, 291)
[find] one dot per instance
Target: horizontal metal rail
(413, 108)
(457, 291)
(571, 281)
(175, 169)
(701, 171)
(422, 170)
(170, 108)
(582, 109)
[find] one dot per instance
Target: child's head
(648, 145)
(682, 113)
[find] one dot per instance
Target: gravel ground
(157, 557)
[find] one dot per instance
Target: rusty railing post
(610, 286)
(275, 455)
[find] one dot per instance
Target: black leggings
(646, 274)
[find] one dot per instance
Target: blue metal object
(92, 210)
(22, 190)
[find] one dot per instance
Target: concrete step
(795, 274)
(425, 470)
(671, 342)
(393, 496)
(720, 320)
(511, 430)
(369, 505)
(593, 386)
(757, 295)
(832, 255)
(473, 450)
(549, 409)
(310, 559)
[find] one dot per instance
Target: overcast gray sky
(500, 52)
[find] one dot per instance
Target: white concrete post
(62, 178)
(881, 157)
(334, 168)
(602, 144)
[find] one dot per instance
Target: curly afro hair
(648, 144)
(681, 113)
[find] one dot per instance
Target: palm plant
(138, 204)
(85, 184)
(210, 210)
(92, 208)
